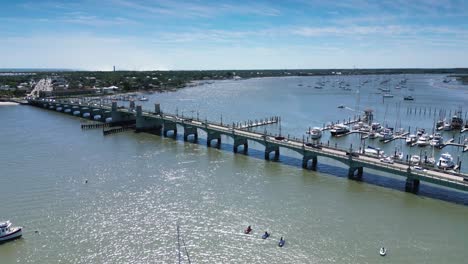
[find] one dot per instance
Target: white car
(388, 160)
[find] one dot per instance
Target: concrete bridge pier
(190, 130)
(269, 149)
(238, 141)
(121, 118)
(170, 126)
(305, 162)
(412, 185)
(147, 124)
(212, 135)
(353, 175)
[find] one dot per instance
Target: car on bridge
(354, 154)
(312, 145)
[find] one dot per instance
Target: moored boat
(315, 133)
(445, 161)
(411, 139)
(339, 129)
(423, 140)
(415, 159)
(7, 232)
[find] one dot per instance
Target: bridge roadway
(355, 162)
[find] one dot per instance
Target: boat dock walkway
(257, 123)
(159, 123)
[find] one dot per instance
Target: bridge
(160, 123)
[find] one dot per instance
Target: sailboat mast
(178, 244)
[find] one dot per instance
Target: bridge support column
(305, 162)
(211, 135)
(353, 175)
(240, 141)
(121, 118)
(147, 124)
(412, 185)
(269, 149)
(170, 126)
(190, 130)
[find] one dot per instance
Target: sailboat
(178, 247)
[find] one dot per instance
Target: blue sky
(172, 35)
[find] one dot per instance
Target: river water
(140, 186)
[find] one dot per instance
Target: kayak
(265, 236)
(383, 251)
(281, 243)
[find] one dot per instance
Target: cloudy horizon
(202, 35)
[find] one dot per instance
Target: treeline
(168, 80)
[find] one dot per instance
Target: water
(140, 186)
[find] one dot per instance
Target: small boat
(423, 140)
(143, 99)
(387, 134)
(445, 161)
(457, 121)
(376, 127)
(437, 140)
(430, 161)
(315, 133)
(447, 126)
(339, 129)
(372, 135)
(341, 106)
(415, 159)
(388, 95)
(266, 235)
(248, 230)
(383, 251)
(411, 139)
(281, 242)
(408, 98)
(398, 155)
(376, 152)
(7, 232)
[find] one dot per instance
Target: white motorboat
(420, 132)
(376, 127)
(411, 139)
(7, 232)
(430, 161)
(423, 140)
(315, 133)
(415, 159)
(447, 126)
(437, 140)
(376, 152)
(398, 155)
(387, 134)
(387, 95)
(388, 160)
(445, 161)
(143, 99)
(339, 129)
(383, 251)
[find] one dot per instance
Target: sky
(203, 35)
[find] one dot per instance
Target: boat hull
(13, 235)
